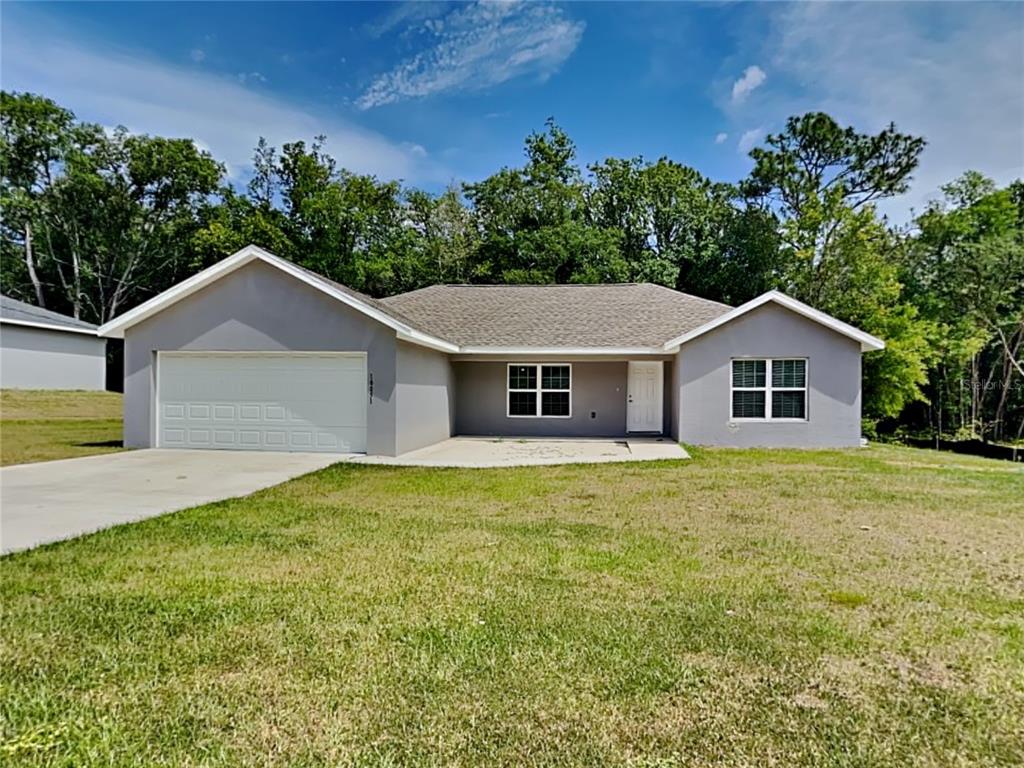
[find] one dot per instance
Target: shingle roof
(19, 311)
(378, 304)
(591, 316)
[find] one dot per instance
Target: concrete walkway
(527, 452)
(54, 500)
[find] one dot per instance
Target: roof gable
(365, 304)
(868, 343)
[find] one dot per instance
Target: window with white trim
(769, 389)
(539, 390)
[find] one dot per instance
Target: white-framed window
(768, 389)
(539, 390)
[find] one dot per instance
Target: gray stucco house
(40, 349)
(257, 353)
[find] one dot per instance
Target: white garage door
(293, 401)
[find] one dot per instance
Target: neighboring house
(40, 349)
(258, 353)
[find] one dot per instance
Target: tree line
(96, 221)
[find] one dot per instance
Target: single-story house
(258, 353)
(40, 349)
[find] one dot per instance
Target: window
(539, 390)
(769, 389)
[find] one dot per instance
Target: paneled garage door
(291, 401)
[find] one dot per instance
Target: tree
(822, 181)
(100, 221)
(447, 233)
(535, 224)
(36, 139)
(965, 269)
(682, 230)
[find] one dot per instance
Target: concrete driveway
(54, 500)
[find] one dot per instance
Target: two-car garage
(257, 354)
(262, 401)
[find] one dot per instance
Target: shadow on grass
(102, 444)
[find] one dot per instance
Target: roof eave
(604, 351)
(50, 326)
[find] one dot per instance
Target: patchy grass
(42, 425)
(857, 608)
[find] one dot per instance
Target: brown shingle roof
(623, 315)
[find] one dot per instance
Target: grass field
(42, 425)
(746, 608)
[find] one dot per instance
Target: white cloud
(478, 46)
(197, 55)
(749, 140)
(953, 74)
(720, 138)
(251, 77)
(753, 77)
(406, 14)
(111, 88)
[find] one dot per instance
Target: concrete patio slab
(525, 452)
(54, 500)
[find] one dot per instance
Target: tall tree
(965, 269)
(815, 170)
(685, 231)
(822, 181)
(105, 219)
(535, 224)
(36, 139)
(447, 235)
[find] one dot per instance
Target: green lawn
(746, 608)
(43, 425)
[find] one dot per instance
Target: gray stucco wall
(36, 358)
(598, 400)
(424, 397)
(703, 369)
(259, 308)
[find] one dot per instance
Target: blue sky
(439, 92)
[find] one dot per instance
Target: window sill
(510, 416)
(769, 421)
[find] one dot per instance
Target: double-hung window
(539, 390)
(769, 389)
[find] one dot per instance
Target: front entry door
(644, 401)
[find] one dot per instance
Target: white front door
(262, 401)
(645, 401)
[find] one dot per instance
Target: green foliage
(965, 270)
(821, 180)
(95, 222)
(535, 223)
(682, 230)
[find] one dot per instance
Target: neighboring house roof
(19, 313)
(629, 318)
